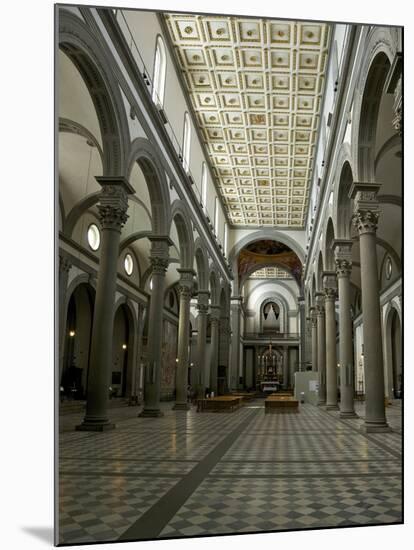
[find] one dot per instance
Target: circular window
(388, 268)
(94, 237)
(128, 264)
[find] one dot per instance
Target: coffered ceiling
(256, 87)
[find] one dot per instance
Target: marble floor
(189, 474)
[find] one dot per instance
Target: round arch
(266, 234)
(380, 50)
(214, 287)
(125, 356)
(145, 154)
(180, 217)
(328, 239)
(392, 327)
(201, 259)
(79, 44)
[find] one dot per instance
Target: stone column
(224, 344)
(215, 324)
(343, 261)
(329, 284)
(112, 207)
(152, 381)
(236, 302)
(185, 290)
(285, 367)
(314, 328)
(302, 320)
(366, 213)
(64, 268)
(320, 315)
(202, 306)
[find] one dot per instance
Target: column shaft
(373, 360)
(343, 271)
(366, 213)
(214, 349)
(112, 207)
(186, 283)
(201, 351)
(64, 267)
(331, 364)
(285, 368)
(314, 329)
(152, 379)
(321, 355)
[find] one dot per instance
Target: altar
(269, 372)
(270, 386)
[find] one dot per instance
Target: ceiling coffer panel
(256, 87)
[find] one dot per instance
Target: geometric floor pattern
(190, 474)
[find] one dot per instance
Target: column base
(348, 414)
(321, 403)
(375, 427)
(332, 408)
(95, 427)
(151, 413)
(181, 407)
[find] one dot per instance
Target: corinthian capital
(64, 264)
(343, 268)
(329, 285)
(215, 314)
(113, 201)
(202, 303)
(366, 209)
(343, 257)
(186, 280)
(159, 265)
(366, 221)
(159, 256)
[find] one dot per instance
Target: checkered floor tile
(239, 472)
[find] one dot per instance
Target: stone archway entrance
(77, 342)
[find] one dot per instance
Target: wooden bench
(222, 403)
(281, 394)
(246, 396)
(281, 404)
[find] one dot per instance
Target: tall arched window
(226, 237)
(186, 142)
(204, 185)
(216, 215)
(160, 66)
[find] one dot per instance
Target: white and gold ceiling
(256, 86)
(270, 273)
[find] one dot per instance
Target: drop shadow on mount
(43, 533)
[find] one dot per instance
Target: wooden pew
(246, 396)
(221, 403)
(281, 404)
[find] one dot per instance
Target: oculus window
(94, 236)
